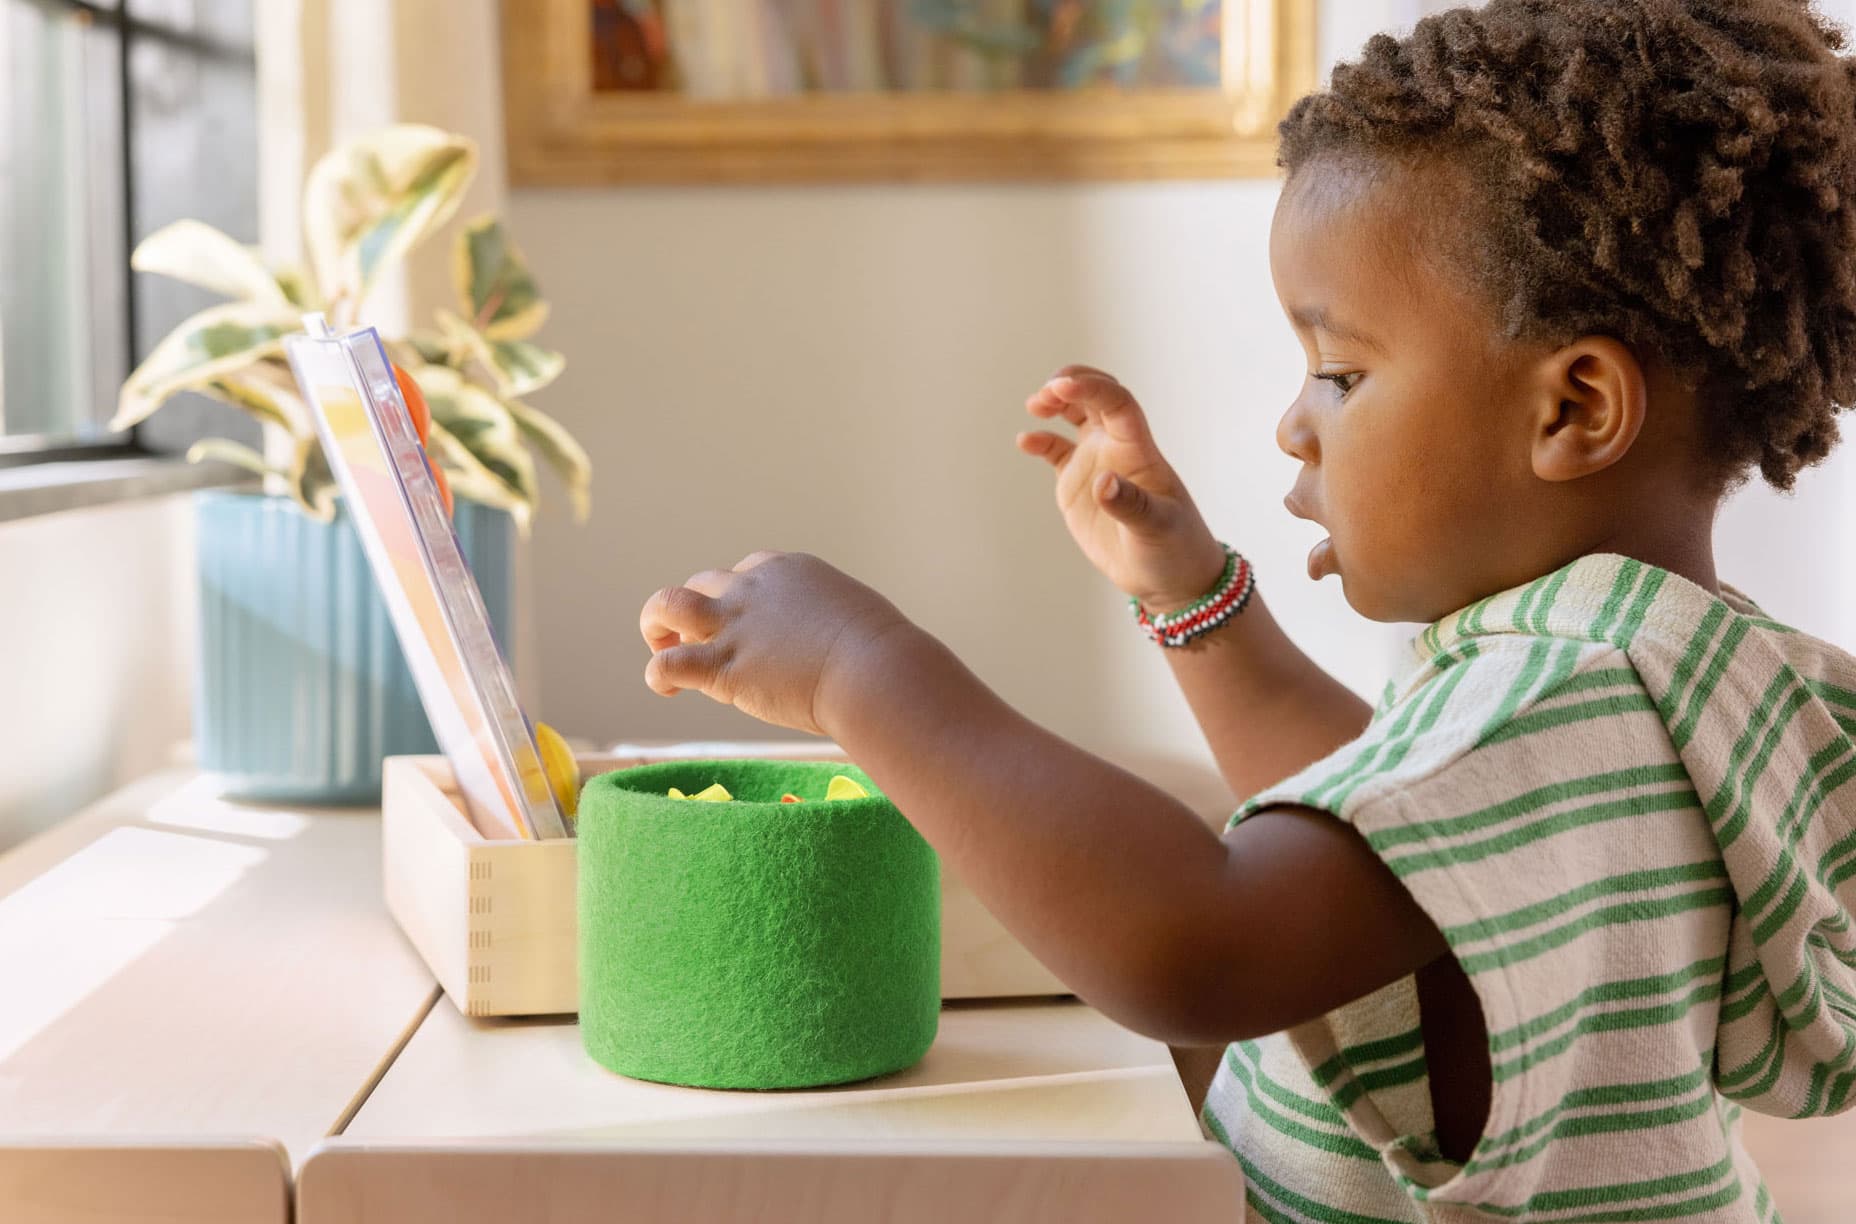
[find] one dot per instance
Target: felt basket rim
(615, 780)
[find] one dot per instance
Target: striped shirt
(1630, 807)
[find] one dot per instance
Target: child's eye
(1342, 382)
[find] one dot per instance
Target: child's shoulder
(1486, 713)
(1605, 686)
(1826, 669)
(1606, 672)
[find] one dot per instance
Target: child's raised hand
(1120, 498)
(774, 637)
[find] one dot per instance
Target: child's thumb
(1125, 501)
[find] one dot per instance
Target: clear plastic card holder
(388, 491)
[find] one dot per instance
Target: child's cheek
(1394, 510)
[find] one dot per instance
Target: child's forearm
(1266, 709)
(1116, 886)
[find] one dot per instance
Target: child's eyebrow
(1318, 319)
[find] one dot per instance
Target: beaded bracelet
(1190, 623)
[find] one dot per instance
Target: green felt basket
(754, 944)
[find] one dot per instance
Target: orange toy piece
(421, 414)
(416, 406)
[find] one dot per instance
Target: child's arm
(1115, 885)
(1266, 709)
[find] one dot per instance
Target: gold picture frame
(561, 131)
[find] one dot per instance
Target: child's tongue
(1321, 560)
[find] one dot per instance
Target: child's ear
(1593, 397)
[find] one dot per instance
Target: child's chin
(1361, 602)
(1376, 603)
(1364, 590)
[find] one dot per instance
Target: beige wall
(96, 619)
(841, 370)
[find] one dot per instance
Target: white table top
(192, 985)
(1028, 1071)
(177, 966)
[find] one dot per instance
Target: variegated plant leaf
(483, 426)
(267, 391)
(370, 201)
(464, 344)
(225, 450)
(312, 485)
(206, 348)
(562, 453)
(295, 285)
(516, 367)
(429, 348)
(511, 463)
(497, 293)
(471, 478)
(198, 254)
(311, 482)
(472, 415)
(523, 368)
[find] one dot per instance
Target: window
(116, 117)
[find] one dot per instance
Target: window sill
(50, 488)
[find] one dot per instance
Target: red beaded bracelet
(1190, 623)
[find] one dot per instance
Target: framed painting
(695, 91)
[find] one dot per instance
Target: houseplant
(301, 688)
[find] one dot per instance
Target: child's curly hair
(1678, 174)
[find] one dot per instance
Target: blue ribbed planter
(301, 689)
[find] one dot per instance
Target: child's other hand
(1120, 498)
(774, 637)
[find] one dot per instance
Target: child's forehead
(1342, 231)
(1365, 239)
(1392, 212)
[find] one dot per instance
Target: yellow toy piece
(843, 788)
(716, 793)
(563, 772)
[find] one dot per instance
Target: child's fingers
(711, 582)
(678, 614)
(1054, 449)
(672, 670)
(757, 558)
(1103, 399)
(1045, 404)
(1125, 502)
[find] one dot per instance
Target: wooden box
(495, 921)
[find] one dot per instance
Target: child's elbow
(1175, 1022)
(1190, 997)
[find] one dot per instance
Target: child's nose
(1295, 435)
